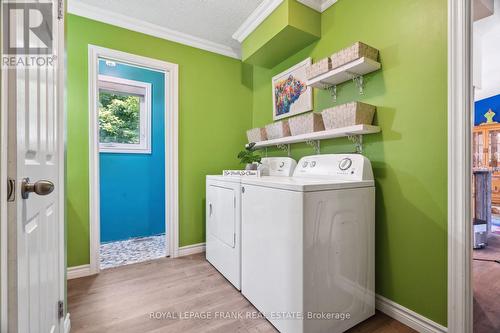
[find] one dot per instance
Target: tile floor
(132, 251)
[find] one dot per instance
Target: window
(124, 116)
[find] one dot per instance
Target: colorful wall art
(291, 95)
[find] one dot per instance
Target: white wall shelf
(350, 131)
(350, 71)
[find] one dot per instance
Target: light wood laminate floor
(124, 300)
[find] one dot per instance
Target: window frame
(130, 87)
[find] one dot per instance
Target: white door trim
(3, 196)
(171, 146)
(459, 166)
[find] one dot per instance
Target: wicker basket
(278, 130)
(353, 52)
(256, 134)
(354, 113)
(319, 67)
(307, 123)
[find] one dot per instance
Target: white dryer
(223, 216)
(308, 245)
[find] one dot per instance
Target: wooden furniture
(486, 155)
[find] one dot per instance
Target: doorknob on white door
(41, 187)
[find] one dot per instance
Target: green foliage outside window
(119, 118)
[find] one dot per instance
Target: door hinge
(60, 9)
(11, 190)
(60, 309)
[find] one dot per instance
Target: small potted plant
(249, 157)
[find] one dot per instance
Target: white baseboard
(67, 324)
(407, 316)
(191, 249)
(78, 271)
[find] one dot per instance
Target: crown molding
(318, 5)
(123, 21)
(256, 18)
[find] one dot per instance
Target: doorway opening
(131, 163)
(133, 158)
(486, 167)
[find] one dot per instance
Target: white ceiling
(212, 20)
(206, 24)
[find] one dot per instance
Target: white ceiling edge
(256, 18)
(318, 5)
(122, 21)
(266, 8)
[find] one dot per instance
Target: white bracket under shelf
(284, 147)
(315, 144)
(357, 140)
(360, 82)
(333, 92)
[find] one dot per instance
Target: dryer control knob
(345, 164)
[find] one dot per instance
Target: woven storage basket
(256, 134)
(307, 123)
(353, 52)
(354, 113)
(278, 130)
(319, 67)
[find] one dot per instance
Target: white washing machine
(308, 244)
(223, 216)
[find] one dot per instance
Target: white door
(35, 218)
(223, 229)
(222, 214)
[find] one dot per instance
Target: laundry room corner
(409, 154)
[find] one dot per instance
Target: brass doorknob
(41, 187)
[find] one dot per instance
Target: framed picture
(291, 95)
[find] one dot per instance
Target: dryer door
(221, 213)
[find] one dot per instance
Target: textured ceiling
(213, 20)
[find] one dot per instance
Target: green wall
(214, 112)
(409, 155)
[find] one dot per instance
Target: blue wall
(132, 185)
(482, 106)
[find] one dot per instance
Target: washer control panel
(345, 164)
(277, 166)
(336, 166)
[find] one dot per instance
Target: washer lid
(306, 184)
